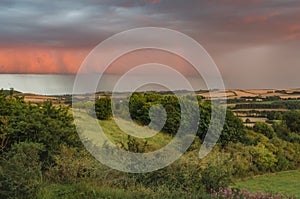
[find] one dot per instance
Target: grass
(88, 190)
(282, 182)
(117, 136)
(85, 190)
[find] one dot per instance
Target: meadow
(283, 182)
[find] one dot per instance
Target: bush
(72, 166)
(263, 158)
(218, 172)
(181, 177)
(241, 157)
(20, 171)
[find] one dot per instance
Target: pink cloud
(46, 60)
(154, 1)
(237, 2)
(293, 32)
(294, 28)
(242, 1)
(260, 18)
(253, 19)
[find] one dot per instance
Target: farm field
(230, 94)
(256, 110)
(283, 182)
(254, 119)
(260, 93)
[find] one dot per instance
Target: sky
(255, 43)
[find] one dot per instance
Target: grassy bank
(283, 182)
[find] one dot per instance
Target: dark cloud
(241, 35)
(85, 23)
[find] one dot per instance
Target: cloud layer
(240, 35)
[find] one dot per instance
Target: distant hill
(7, 92)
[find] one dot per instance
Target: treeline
(141, 103)
(291, 105)
(268, 147)
(258, 106)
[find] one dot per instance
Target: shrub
(263, 158)
(20, 171)
(72, 166)
(218, 172)
(182, 177)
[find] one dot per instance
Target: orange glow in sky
(40, 60)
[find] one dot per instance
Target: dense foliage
(41, 155)
(41, 123)
(103, 108)
(140, 104)
(31, 135)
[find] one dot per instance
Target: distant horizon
(52, 84)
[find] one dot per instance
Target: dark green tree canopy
(103, 108)
(42, 123)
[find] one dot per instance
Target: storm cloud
(255, 43)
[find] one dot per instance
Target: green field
(283, 182)
(117, 136)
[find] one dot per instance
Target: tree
(233, 131)
(140, 104)
(103, 108)
(139, 108)
(292, 119)
(289, 128)
(172, 107)
(265, 129)
(205, 114)
(40, 123)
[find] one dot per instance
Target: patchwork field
(229, 94)
(261, 98)
(260, 93)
